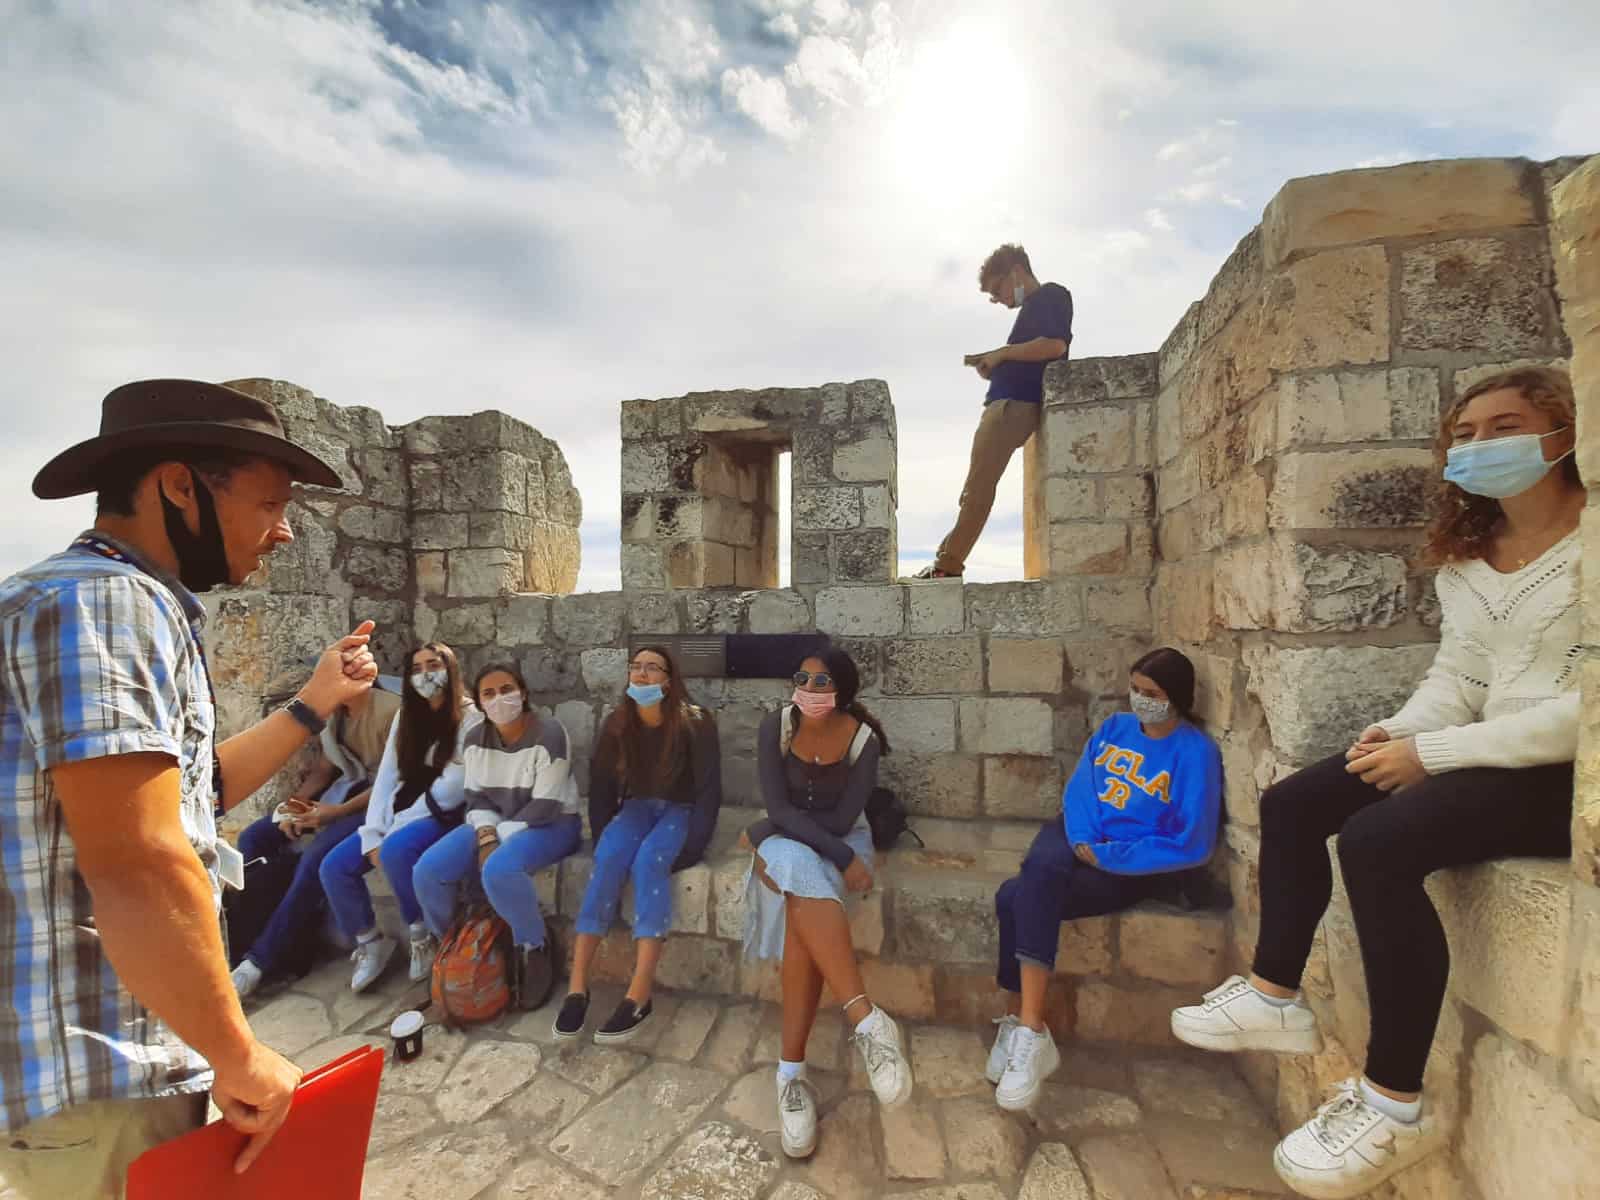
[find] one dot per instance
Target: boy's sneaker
(370, 959)
(624, 1024)
(533, 976)
(423, 951)
(572, 1017)
(883, 1052)
(246, 978)
(1350, 1147)
(797, 1118)
(1033, 1057)
(1000, 1052)
(1234, 1016)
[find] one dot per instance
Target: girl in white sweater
(1476, 766)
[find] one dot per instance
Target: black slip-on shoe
(572, 1017)
(535, 976)
(624, 1024)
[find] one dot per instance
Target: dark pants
(302, 905)
(1388, 844)
(1054, 886)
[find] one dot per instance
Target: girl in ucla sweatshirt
(1144, 800)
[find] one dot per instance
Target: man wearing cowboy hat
(117, 1013)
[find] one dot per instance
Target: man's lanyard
(93, 542)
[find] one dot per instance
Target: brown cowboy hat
(181, 414)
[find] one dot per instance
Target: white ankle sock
(1404, 1111)
(790, 1070)
(1275, 1001)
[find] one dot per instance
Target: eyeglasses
(821, 679)
(648, 669)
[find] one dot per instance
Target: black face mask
(202, 557)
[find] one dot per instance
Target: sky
(551, 206)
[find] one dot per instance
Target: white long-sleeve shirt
(1502, 690)
(447, 791)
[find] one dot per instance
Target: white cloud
(1157, 220)
(762, 98)
(784, 26)
(828, 66)
(1206, 191)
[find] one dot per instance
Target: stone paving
(689, 1110)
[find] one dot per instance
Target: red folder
(319, 1153)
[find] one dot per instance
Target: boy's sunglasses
(822, 679)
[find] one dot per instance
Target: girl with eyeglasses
(1476, 766)
(818, 761)
(655, 785)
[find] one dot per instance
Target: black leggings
(1388, 844)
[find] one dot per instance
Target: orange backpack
(472, 971)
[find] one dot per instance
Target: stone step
(926, 933)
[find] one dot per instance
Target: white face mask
(1019, 295)
(504, 708)
(429, 684)
(1148, 710)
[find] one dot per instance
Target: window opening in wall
(784, 516)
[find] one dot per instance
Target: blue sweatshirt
(1145, 805)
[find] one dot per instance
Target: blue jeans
(644, 838)
(344, 866)
(507, 875)
(298, 912)
(1054, 886)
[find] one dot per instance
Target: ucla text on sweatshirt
(1142, 804)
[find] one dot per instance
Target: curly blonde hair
(1463, 524)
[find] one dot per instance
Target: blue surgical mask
(646, 695)
(1499, 467)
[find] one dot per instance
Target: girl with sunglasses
(655, 785)
(818, 760)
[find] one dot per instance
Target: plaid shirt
(98, 657)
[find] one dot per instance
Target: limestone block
(1071, 498)
(369, 524)
(1085, 548)
(811, 456)
(936, 606)
(779, 612)
(919, 725)
(644, 468)
(604, 671)
(1352, 489)
(1508, 925)
(1450, 196)
(1020, 726)
(1090, 440)
(1520, 1127)
(933, 785)
(1183, 599)
(808, 558)
(1173, 947)
(1053, 1174)
(1128, 497)
(1100, 667)
(952, 922)
(554, 558)
(1087, 380)
(1022, 787)
(878, 506)
(869, 457)
(1484, 295)
(641, 566)
(927, 665)
(1583, 1057)
(439, 531)
(1316, 699)
(1296, 587)
(717, 611)
(1034, 608)
(1023, 665)
(1324, 310)
(861, 611)
(638, 419)
(700, 564)
(427, 486)
(1122, 606)
(467, 625)
(1179, 345)
(1128, 1012)
(1332, 407)
(617, 1140)
(865, 556)
(714, 1160)
(589, 619)
(870, 401)
(378, 569)
(521, 620)
(680, 518)
(827, 508)
(484, 572)
(1084, 946)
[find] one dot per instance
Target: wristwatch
(306, 715)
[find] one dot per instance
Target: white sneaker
(1350, 1147)
(1033, 1057)
(246, 978)
(1234, 1016)
(370, 959)
(1000, 1051)
(797, 1118)
(423, 951)
(883, 1052)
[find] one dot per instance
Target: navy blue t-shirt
(1046, 313)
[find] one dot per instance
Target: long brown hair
(427, 737)
(1463, 525)
(677, 712)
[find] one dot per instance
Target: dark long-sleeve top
(695, 783)
(812, 803)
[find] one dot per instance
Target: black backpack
(887, 818)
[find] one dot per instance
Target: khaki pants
(84, 1151)
(1006, 426)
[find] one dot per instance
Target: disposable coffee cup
(406, 1030)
